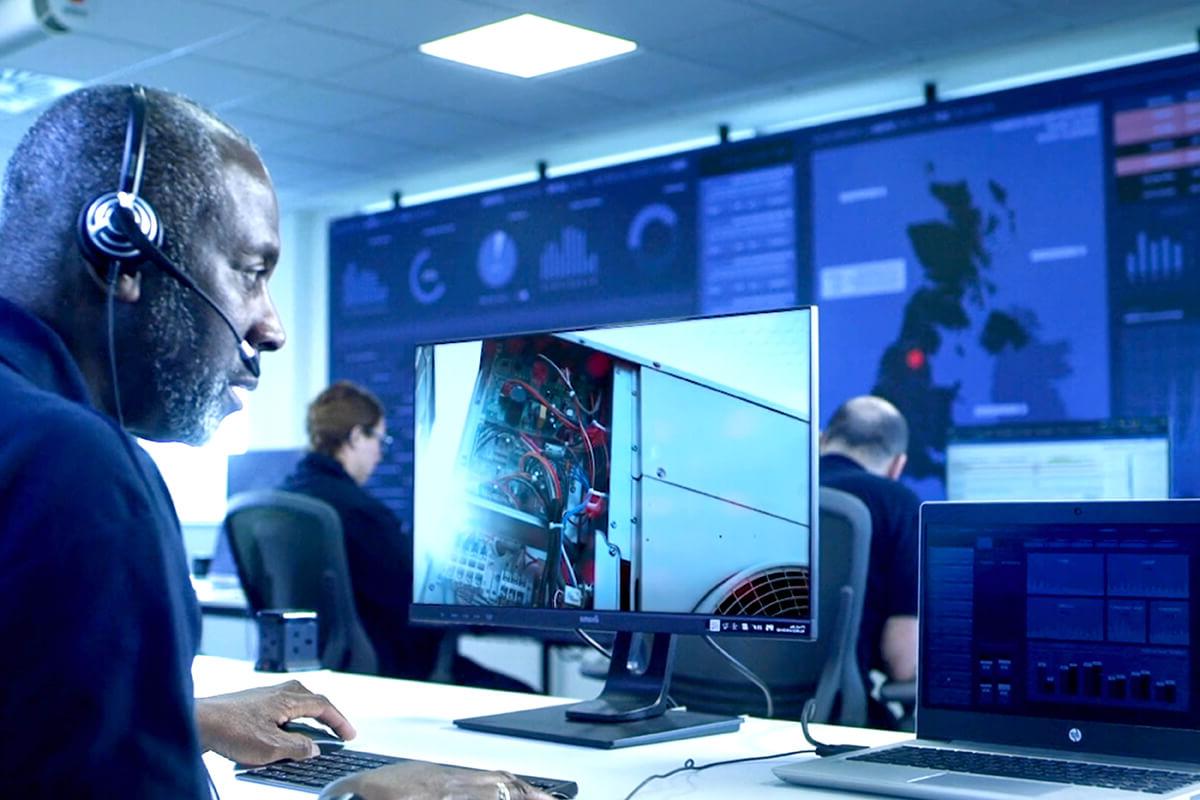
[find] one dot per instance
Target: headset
(119, 231)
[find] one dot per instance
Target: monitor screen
(1124, 459)
(652, 477)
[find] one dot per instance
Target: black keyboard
(1134, 779)
(314, 774)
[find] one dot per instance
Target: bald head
(871, 431)
(72, 154)
(152, 355)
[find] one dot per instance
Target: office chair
(289, 553)
(825, 670)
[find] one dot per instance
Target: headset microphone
(126, 223)
(120, 230)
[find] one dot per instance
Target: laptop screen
(1082, 613)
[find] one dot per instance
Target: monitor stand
(632, 708)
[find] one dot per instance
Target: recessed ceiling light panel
(527, 45)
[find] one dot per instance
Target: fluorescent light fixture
(527, 45)
(21, 90)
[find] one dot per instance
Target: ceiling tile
(651, 23)
(263, 131)
(210, 83)
(264, 8)
(344, 149)
(418, 78)
(78, 56)
(645, 75)
(166, 23)
(295, 50)
(903, 23)
(433, 82)
(315, 105)
(402, 24)
(751, 48)
(437, 129)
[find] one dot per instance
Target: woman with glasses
(347, 434)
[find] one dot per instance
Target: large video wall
(1025, 255)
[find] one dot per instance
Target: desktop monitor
(654, 478)
(1115, 459)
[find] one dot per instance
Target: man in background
(139, 233)
(347, 436)
(863, 452)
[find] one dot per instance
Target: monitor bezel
(1125, 739)
(646, 621)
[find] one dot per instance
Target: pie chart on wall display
(652, 235)
(497, 261)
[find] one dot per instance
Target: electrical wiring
(691, 766)
(746, 673)
(551, 473)
(560, 416)
(587, 440)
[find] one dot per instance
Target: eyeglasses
(385, 441)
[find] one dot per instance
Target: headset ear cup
(102, 242)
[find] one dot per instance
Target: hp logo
(1075, 735)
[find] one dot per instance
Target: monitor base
(552, 725)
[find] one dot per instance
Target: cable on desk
(820, 748)
(212, 785)
(746, 673)
(690, 765)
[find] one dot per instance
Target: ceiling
(345, 109)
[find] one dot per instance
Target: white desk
(412, 719)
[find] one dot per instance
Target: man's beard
(188, 379)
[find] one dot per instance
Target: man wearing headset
(138, 233)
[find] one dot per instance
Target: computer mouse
(326, 740)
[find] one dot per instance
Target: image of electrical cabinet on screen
(652, 468)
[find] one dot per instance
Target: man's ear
(129, 287)
(896, 466)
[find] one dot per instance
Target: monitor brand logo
(589, 619)
(1075, 735)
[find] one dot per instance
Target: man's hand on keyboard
(244, 726)
(417, 781)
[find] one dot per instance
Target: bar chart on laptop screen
(1103, 623)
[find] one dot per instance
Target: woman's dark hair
(337, 411)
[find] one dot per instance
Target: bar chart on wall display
(1154, 269)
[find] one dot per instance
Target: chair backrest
(289, 553)
(826, 670)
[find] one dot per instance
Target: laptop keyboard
(314, 774)
(1134, 779)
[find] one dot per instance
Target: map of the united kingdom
(971, 262)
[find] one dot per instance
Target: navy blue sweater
(98, 621)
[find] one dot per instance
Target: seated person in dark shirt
(129, 216)
(863, 452)
(348, 437)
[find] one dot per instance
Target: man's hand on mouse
(244, 726)
(420, 781)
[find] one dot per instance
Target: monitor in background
(1118, 459)
(653, 478)
(250, 471)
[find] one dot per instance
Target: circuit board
(535, 462)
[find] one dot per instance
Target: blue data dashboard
(1023, 256)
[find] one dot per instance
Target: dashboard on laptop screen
(1088, 622)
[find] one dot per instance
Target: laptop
(1058, 657)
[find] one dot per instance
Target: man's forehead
(249, 212)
